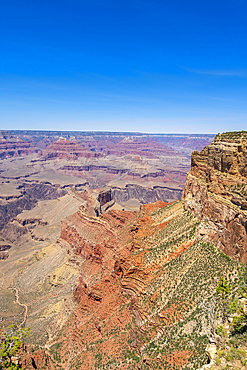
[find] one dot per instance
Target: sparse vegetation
(10, 345)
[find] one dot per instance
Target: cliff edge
(216, 193)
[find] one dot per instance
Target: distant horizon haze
(108, 132)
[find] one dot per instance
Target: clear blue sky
(129, 65)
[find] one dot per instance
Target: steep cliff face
(30, 194)
(140, 277)
(216, 192)
(145, 194)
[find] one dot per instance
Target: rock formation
(140, 276)
(216, 193)
(11, 206)
(145, 194)
(64, 148)
(12, 146)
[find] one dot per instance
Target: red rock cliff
(216, 192)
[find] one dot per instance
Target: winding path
(21, 304)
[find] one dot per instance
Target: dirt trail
(22, 305)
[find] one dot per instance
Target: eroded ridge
(141, 279)
(216, 192)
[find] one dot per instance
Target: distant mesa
(144, 147)
(64, 148)
(13, 146)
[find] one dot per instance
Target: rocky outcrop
(216, 192)
(104, 197)
(38, 360)
(4, 247)
(96, 202)
(144, 194)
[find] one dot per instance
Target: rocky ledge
(216, 192)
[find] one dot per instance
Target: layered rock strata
(28, 198)
(140, 276)
(144, 194)
(64, 148)
(135, 165)
(216, 193)
(13, 146)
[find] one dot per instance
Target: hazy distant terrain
(135, 166)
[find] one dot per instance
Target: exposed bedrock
(3, 255)
(31, 194)
(128, 171)
(12, 146)
(97, 168)
(12, 231)
(216, 192)
(64, 148)
(104, 197)
(145, 195)
(4, 247)
(123, 287)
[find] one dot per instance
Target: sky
(153, 66)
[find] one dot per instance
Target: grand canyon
(111, 243)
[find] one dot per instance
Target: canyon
(108, 263)
(46, 165)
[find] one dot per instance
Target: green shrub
(10, 344)
(221, 330)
